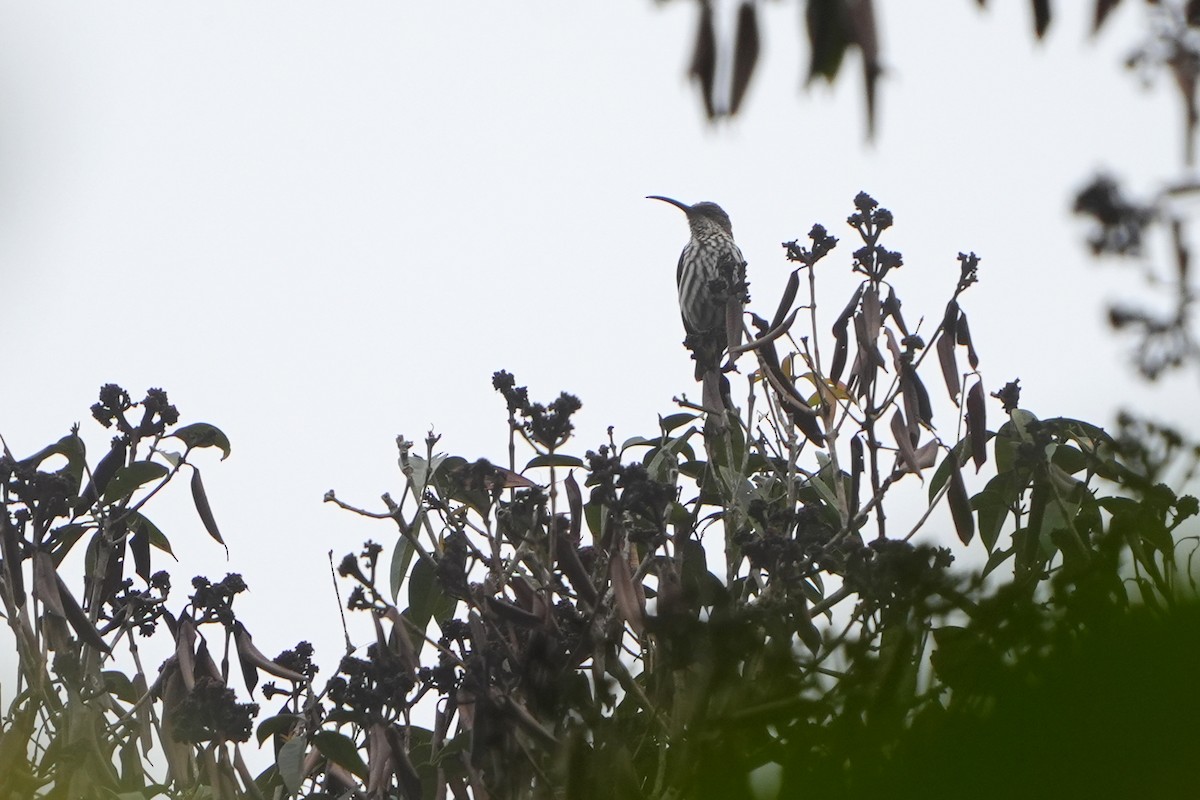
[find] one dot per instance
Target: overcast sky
(319, 225)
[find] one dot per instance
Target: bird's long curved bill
(682, 206)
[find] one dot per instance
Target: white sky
(319, 225)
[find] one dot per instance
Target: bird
(711, 279)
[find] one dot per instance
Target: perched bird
(711, 278)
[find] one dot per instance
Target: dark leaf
(79, 621)
(1041, 17)
(960, 505)
(341, 750)
(1103, 7)
(128, 479)
(964, 337)
(248, 653)
(139, 545)
(789, 297)
(402, 555)
(101, 475)
(841, 334)
(201, 434)
(891, 308)
(857, 467)
(977, 423)
(745, 54)
(866, 35)
(904, 443)
(554, 460)
(673, 421)
(704, 58)
(827, 37)
(10, 552)
(280, 724)
(945, 349)
(154, 536)
(204, 509)
(872, 314)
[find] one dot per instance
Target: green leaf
(204, 509)
(128, 479)
(673, 421)
(290, 762)
(426, 600)
(341, 750)
(942, 473)
(117, 683)
(554, 460)
(278, 724)
(201, 434)
(960, 505)
(139, 524)
(402, 555)
(1069, 459)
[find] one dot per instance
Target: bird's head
(701, 215)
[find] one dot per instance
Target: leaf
(250, 656)
(789, 297)
(960, 505)
(704, 58)
(904, 443)
(1103, 7)
(79, 620)
(872, 314)
(102, 474)
(629, 607)
(745, 54)
(128, 479)
(945, 350)
(827, 38)
(977, 431)
(341, 750)
(204, 509)
(290, 762)
(840, 333)
(964, 338)
(673, 421)
(1041, 17)
(154, 536)
(280, 724)
(554, 460)
(119, 685)
(865, 34)
(201, 434)
(424, 593)
(402, 555)
(139, 546)
(11, 558)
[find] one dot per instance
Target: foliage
(720, 611)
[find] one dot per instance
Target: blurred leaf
(704, 58)
(964, 338)
(745, 54)
(204, 509)
(840, 333)
(201, 434)
(827, 37)
(341, 750)
(1041, 17)
(1103, 7)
